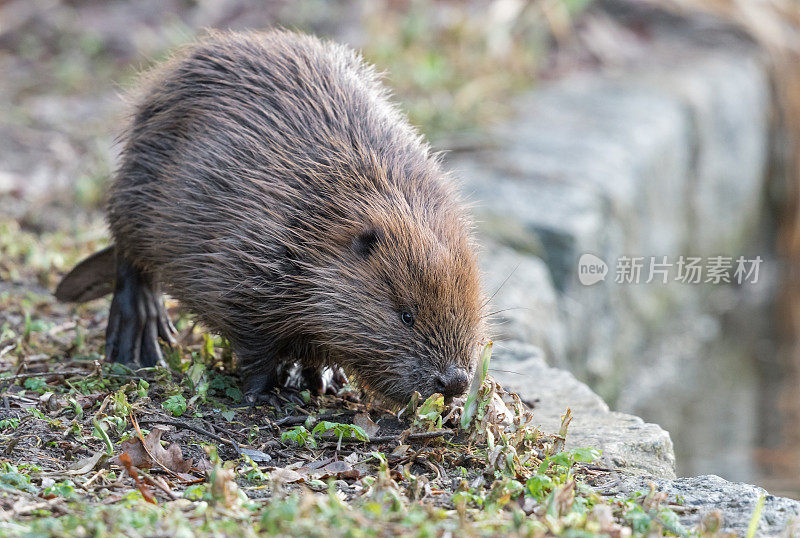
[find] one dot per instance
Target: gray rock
(727, 95)
(640, 452)
(701, 495)
(581, 169)
(627, 441)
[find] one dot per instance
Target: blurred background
(639, 128)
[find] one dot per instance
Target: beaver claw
(137, 319)
(259, 389)
(322, 380)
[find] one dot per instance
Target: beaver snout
(452, 382)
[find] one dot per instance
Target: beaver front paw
(321, 380)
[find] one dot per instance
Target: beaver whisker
(503, 283)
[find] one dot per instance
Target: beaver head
(398, 302)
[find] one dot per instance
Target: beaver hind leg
(137, 318)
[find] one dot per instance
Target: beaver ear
(365, 242)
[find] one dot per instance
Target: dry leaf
(256, 455)
(86, 465)
(337, 469)
(362, 420)
(171, 458)
(400, 451)
(285, 476)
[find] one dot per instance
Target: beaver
(269, 184)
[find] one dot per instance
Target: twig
(6, 349)
(61, 328)
(292, 420)
(195, 429)
(411, 437)
(65, 374)
(216, 427)
(133, 472)
(7, 395)
(159, 484)
(50, 504)
(680, 509)
(92, 479)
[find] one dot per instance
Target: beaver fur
(268, 183)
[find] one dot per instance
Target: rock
(627, 442)
(704, 494)
(640, 452)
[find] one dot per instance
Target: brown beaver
(270, 185)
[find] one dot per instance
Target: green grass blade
(471, 405)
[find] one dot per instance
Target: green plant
(36, 384)
(175, 404)
(428, 416)
(9, 424)
(340, 431)
(60, 489)
(471, 404)
(300, 435)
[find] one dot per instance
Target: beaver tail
(90, 279)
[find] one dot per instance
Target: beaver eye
(407, 318)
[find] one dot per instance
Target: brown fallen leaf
(203, 465)
(336, 469)
(364, 421)
(256, 455)
(170, 458)
(285, 476)
(400, 451)
(86, 465)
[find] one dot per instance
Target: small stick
(292, 420)
(412, 437)
(216, 427)
(92, 479)
(6, 349)
(159, 484)
(61, 328)
(7, 395)
(195, 429)
(65, 373)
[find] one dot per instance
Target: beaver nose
(452, 382)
